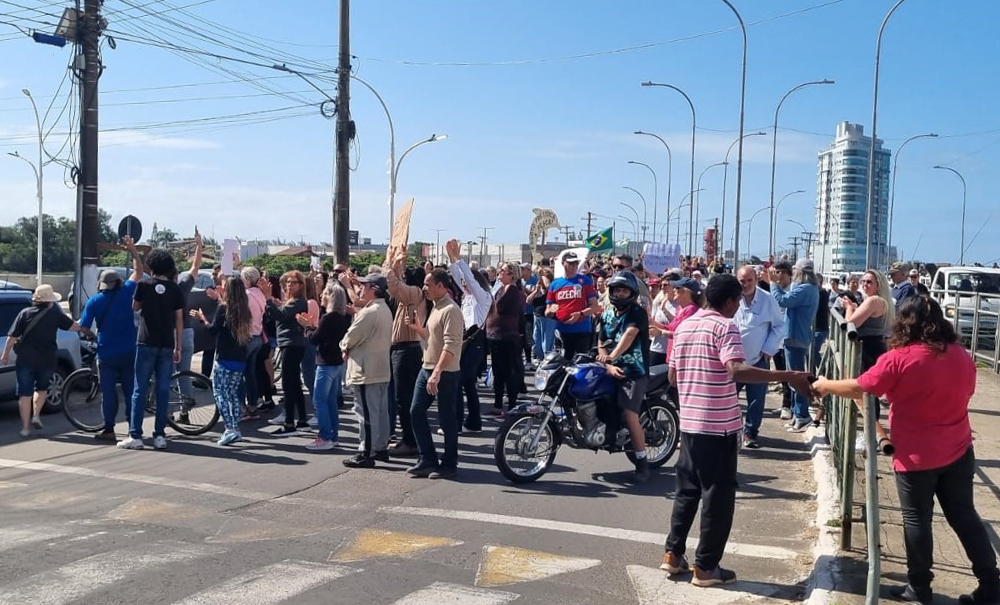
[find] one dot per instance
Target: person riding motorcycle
(624, 326)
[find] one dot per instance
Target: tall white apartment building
(842, 203)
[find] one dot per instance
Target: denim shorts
(30, 380)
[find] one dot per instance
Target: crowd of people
(405, 337)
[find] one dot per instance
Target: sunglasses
(618, 267)
(868, 281)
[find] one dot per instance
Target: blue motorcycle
(577, 407)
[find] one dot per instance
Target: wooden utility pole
(345, 133)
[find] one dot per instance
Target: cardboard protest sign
(230, 248)
(657, 258)
(401, 227)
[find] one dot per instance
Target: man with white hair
(698, 277)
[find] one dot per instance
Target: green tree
(19, 243)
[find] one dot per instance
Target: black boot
(984, 595)
(641, 470)
(909, 593)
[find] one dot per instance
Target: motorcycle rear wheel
(661, 449)
(511, 445)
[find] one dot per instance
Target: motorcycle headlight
(949, 312)
(542, 378)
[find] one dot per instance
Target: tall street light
(694, 128)
(678, 209)
(638, 221)
(38, 183)
(725, 179)
(892, 188)
(655, 191)
(643, 198)
(750, 228)
(670, 177)
(774, 156)
(778, 205)
(739, 160)
(871, 151)
(635, 230)
(697, 211)
(395, 174)
(961, 254)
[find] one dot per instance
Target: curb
(826, 576)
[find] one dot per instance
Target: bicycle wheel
(82, 402)
(192, 412)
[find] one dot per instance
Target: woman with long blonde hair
(231, 329)
(873, 317)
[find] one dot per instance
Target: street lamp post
(739, 156)
(694, 128)
(687, 196)
(38, 182)
(698, 209)
(774, 156)
(871, 157)
(395, 174)
(670, 177)
(643, 198)
(635, 230)
(961, 254)
(892, 188)
(655, 191)
(638, 221)
(750, 228)
(725, 179)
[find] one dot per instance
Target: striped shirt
(703, 345)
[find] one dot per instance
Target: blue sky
(531, 123)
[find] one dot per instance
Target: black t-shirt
(823, 311)
(37, 349)
(160, 300)
(186, 282)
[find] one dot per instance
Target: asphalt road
(267, 521)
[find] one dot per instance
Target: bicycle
(188, 415)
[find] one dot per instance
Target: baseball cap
(653, 281)
(914, 273)
(109, 279)
(899, 267)
(571, 257)
(525, 265)
(804, 264)
(688, 283)
(377, 281)
(672, 275)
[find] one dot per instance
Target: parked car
(199, 300)
(68, 358)
(955, 288)
(124, 272)
(9, 285)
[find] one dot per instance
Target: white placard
(657, 258)
(230, 248)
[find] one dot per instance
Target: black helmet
(623, 279)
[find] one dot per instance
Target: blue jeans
(819, 337)
(187, 352)
(115, 370)
(309, 366)
(472, 358)
(447, 397)
(150, 362)
(325, 392)
(795, 360)
(545, 336)
(755, 402)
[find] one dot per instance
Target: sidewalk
(953, 576)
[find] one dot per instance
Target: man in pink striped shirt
(706, 363)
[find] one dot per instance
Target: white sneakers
(131, 443)
(322, 444)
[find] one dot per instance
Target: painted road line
(441, 593)
(15, 537)
(614, 533)
(269, 585)
(81, 578)
(373, 543)
(503, 565)
(655, 587)
(210, 488)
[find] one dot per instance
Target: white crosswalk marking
(15, 537)
(269, 585)
(442, 593)
(81, 578)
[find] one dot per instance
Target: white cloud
(135, 138)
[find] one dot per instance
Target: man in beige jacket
(366, 349)
(439, 378)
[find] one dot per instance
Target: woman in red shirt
(929, 379)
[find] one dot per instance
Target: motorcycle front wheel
(513, 453)
(661, 425)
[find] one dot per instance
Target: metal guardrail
(975, 316)
(841, 360)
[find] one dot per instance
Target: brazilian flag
(600, 241)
